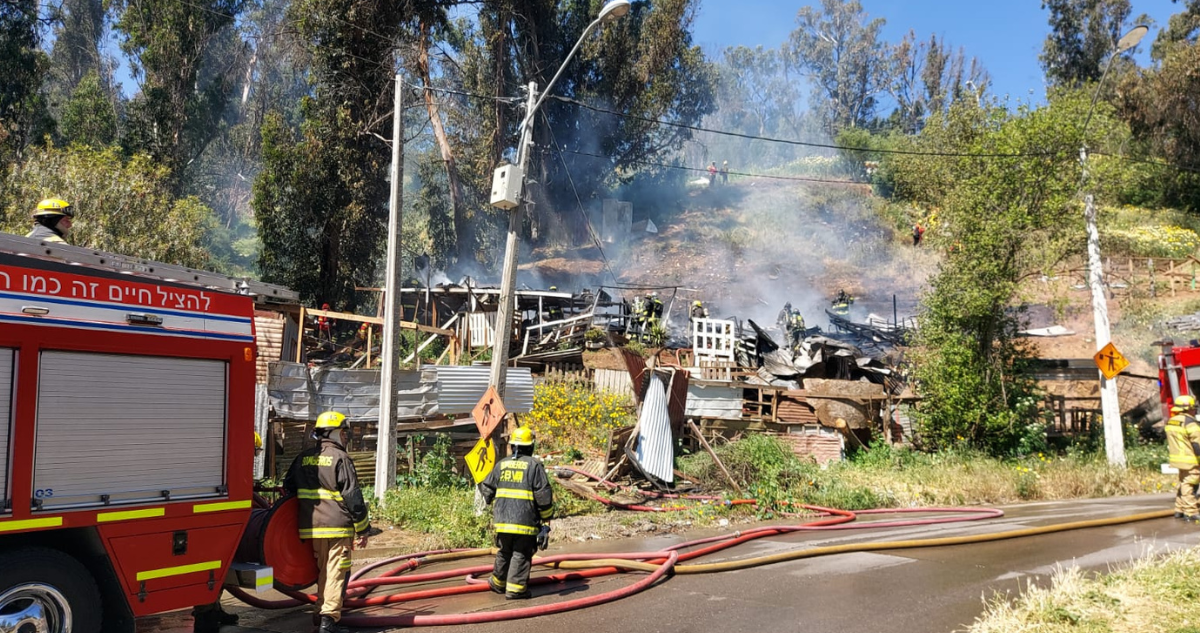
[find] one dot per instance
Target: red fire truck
(1178, 372)
(127, 402)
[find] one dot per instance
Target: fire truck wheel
(45, 590)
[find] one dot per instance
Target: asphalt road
(929, 590)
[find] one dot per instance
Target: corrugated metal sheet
(613, 381)
(300, 394)
(714, 401)
(297, 394)
(268, 336)
(460, 388)
(793, 408)
(655, 447)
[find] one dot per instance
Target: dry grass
(1155, 594)
(949, 479)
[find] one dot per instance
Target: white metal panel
(713, 339)
(129, 427)
(655, 447)
(711, 401)
(7, 357)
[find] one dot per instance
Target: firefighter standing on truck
(524, 503)
(1183, 444)
(333, 515)
(52, 220)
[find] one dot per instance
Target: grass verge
(1156, 593)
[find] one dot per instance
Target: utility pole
(385, 446)
(1114, 435)
(508, 279)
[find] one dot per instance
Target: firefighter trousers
(513, 560)
(1185, 496)
(333, 565)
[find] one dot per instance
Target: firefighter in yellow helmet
(1183, 445)
(524, 504)
(333, 515)
(52, 220)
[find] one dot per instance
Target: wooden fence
(1151, 274)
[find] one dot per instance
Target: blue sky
(1005, 35)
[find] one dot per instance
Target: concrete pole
(508, 279)
(385, 447)
(1114, 437)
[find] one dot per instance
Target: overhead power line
(702, 170)
(752, 137)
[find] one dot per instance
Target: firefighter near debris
(1183, 446)
(698, 311)
(842, 302)
(523, 504)
(52, 220)
(332, 516)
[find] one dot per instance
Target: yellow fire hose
(744, 563)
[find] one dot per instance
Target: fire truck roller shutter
(6, 383)
(127, 428)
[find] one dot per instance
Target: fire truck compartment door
(6, 399)
(115, 429)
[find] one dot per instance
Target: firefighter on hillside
(842, 303)
(651, 315)
(333, 515)
(52, 220)
(1183, 445)
(524, 503)
(698, 310)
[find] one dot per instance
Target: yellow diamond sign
(481, 459)
(1110, 361)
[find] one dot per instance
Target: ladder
(75, 255)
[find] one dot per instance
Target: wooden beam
(358, 318)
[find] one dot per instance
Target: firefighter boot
(329, 625)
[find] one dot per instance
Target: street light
(1114, 439)
(508, 192)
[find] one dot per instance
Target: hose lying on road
(575, 567)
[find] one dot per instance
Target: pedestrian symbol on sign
(481, 459)
(1110, 361)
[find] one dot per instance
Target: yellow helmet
(697, 303)
(54, 206)
(1184, 403)
(523, 436)
(330, 420)
(257, 441)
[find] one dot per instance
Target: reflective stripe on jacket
(1183, 441)
(331, 504)
(45, 234)
(521, 491)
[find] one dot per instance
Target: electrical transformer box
(506, 187)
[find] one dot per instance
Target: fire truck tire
(42, 587)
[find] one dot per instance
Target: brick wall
(821, 444)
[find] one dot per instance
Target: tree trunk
(462, 232)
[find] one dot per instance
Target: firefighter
(524, 503)
(333, 515)
(698, 310)
(785, 316)
(796, 329)
(209, 618)
(842, 303)
(52, 220)
(1183, 444)
(712, 173)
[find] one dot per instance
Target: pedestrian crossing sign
(1110, 361)
(482, 459)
